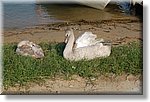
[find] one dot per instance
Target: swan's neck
(69, 45)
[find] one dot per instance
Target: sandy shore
(117, 31)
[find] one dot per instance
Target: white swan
(27, 48)
(87, 52)
(87, 39)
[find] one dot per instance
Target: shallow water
(24, 15)
(27, 15)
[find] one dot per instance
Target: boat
(98, 4)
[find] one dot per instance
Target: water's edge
(28, 15)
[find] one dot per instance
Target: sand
(115, 31)
(124, 84)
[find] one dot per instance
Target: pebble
(93, 78)
(131, 77)
(70, 86)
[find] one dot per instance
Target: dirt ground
(119, 31)
(124, 84)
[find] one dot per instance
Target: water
(28, 15)
(25, 15)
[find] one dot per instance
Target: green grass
(19, 69)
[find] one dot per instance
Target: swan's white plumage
(86, 52)
(87, 39)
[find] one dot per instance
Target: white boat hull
(98, 4)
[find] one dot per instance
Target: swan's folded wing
(85, 39)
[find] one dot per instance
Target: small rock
(58, 92)
(131, 77)
(93, 78)
(27, 48)
(76, 77)
(106, 31)
(70, 86)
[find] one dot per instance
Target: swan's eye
(67, 34)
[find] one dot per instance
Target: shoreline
(115, 30)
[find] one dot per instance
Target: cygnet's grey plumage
(27, 48)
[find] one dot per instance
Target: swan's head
(67, 35)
